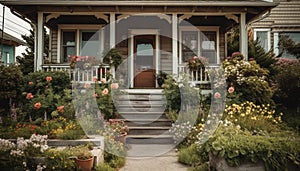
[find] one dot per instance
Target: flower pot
(85, 165)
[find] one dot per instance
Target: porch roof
(29, 8)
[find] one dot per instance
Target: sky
(14, 26)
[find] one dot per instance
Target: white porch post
(40, 42)
(175, 44)
(112, 36)
(275, 45)
(243, 36)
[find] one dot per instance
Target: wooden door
(144, 61)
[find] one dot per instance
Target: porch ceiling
(29, 8)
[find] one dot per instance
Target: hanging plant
(113, 57)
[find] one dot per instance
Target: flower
(114, 86)
(29, 96)
(217, 95)
(87, 85)
(95, 95)
(30, 83)
(103, 80)
(196, 63)
(37, 105)
(118, 126)
(105, 92)
(230, 89)
(49, 78)
(60, 109)
(95, 79)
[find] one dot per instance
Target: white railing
(195, 77)
(81, 76)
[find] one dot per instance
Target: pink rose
(29, 96)
(217, 95)
(87, 85)
(60, 108)
(30, 83)
(230, 89)
(95, 79)
(114, 86)
(37, 105)
(103, 80)
(105, 92)
(95, 95)
(49, 78)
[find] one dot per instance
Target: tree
(26, 61)
(290, 46)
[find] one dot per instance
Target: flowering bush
(83, 62)
(197, 63)
(252, 117)
(117, 127)
(248, 79)
(180, 131)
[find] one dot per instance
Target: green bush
(191, 156)
(104, 167)
(11, 80)
(248, 79)
(287, 83)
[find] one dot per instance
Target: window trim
(268, 35)
(77, 28)
(200, 29)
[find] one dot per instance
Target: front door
(144, 61)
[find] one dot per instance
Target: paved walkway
(165, 160)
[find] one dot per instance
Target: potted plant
(84, 158)
(118, 128)
(113, 57)
(196, 63)
(161, 76)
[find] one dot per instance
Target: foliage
(11, 79)
(238, 146)
(104, 167)
(172, 92)
(197, 63)
(263, 58)
(190, 156)
(26, 61)
(248, 80)
(82, 152)
(287, 44)
(113, 57)
(83, 62)
(59, 160)
(287, 82)
(117, 126)
(254, 118)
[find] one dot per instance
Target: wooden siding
(285, 16)
(222, 46)
(166, 54)
(53, 50)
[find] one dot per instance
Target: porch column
(39, 53)
(112, 30)
(112, 36)
(175, 44)
(275, 45)
(243, 36)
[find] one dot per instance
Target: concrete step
(146, 109)
(149, 139)
(148, 130)
(141, 97)
(140, 102)
(149, 122)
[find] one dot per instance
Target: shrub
(287, 82)
(191, 156)
(248, 79)
(11, 80)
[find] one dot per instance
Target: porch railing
(81, 76)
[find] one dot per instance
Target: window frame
(78, 29)
(268, 36)
(199, 29)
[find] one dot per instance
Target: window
(79, 40)
(199, 42)
(263, 37)
(69, 48)
(292, 36)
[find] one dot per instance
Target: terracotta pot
(85, 165)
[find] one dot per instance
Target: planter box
(220, 164)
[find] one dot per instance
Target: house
(152, 35)
(8, 47)
(284, 19)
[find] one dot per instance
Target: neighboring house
(8, 47)
(284, 19)
(153, 35)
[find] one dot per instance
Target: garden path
(163, 162)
